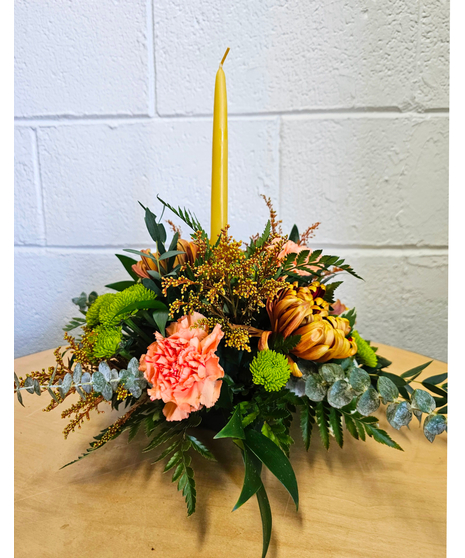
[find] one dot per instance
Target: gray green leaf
(315, 389)
(387, 389)
(399, 414)
(359, 379)
(340, 394)
(434, 425)
(423, 401)
(331, 372)
(368, 402)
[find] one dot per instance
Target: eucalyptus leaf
(66, 385)
(399, 414)
(133, 366)
(315, 388)
(433, 426)
(99, 381)
(423, 401)
(331, 372)
(29, 384)
(418, 415)
(77, 374)
(387, 389)
(107, 392)
(368, 402)
(86, 379)
(104, 369)
(340, 394)
(37, 387)
(360, 380)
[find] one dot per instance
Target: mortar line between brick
(400, 250)
(62, 120)
(417, 53)
(279, 166)
(38, 182)
(152, 72)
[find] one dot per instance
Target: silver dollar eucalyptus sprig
(104, 381)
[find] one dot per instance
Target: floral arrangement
(238, 338)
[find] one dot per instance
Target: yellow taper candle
(219, 204)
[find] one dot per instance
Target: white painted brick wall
(338, 112)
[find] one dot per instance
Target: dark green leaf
(434, 389)
(350, 425)
(143, 304)
(127, 264)
(306, 424)
(265, 513)
(414, 372)
(161, 317)
(443, 411)
(120, 285)
(234, 427)
(273, 458)
(336, 425)
(294, 236)
(381, 436)
(435, 380)
(201, 448)
(171, 254)
(252, 480)
(322, 422)
(173, 461)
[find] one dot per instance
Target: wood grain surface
(364, 501)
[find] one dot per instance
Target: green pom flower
(270, 369)
(92, 316)
(108, 340)
(365, 354)
(135, 293)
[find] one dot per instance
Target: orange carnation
(183, 368)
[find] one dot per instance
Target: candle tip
(224, 57)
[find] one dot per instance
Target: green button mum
(270, 370)
(365, 354)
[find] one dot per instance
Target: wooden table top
(364, 501)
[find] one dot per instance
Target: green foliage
(273, 458)
(307, 420)
(335, 421)
(294, 235)
(358, 425)
(322, 421)
(265, 514)
(252, 480)
(284, 345)
(234, 427)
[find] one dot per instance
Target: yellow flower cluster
(230, 285)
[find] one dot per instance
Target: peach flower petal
(183, 369)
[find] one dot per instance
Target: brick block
(81, 58)
(370, 181)
(403, 300)
(46, 281)
(285, 55)
(29, 226)
(94, 175)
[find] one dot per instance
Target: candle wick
(224, 57)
